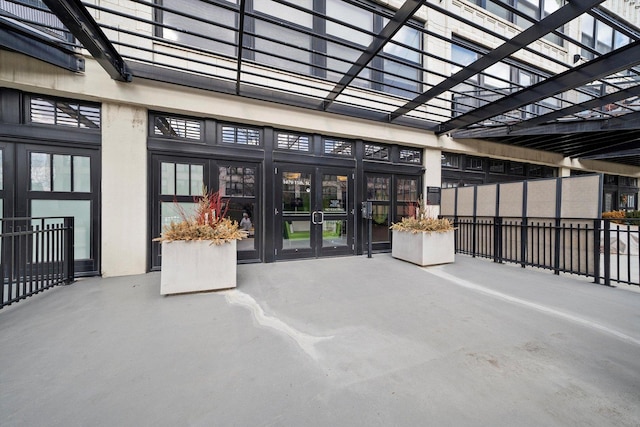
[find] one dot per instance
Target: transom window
(450, 160)
(337, 147)
(177, 127)
(240, 135)
(376, 152)
(475, 163)
(288, 141)
(408, 155)
(64, 113)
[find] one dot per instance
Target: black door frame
(316, 214)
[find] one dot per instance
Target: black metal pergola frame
(514, 115)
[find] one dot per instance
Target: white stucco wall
(124, 190)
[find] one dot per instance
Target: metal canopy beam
(82, 25)
(536, 121)
(21, 39)
(587, 105)
(408, 9)
(240, 45)
(557, 19)
(613, 62)
(614, 154)
(628, 121)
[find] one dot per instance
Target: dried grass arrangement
(420, 220)
(208, 222)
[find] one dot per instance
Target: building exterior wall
(125, 199)
(124, 190)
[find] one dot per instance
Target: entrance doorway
(314, 215)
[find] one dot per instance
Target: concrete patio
(330, 342)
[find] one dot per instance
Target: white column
(562, 172)
(433, 174)
(124, 190)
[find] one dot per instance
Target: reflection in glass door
(315, 212)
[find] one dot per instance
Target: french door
(60, 181)
(314, 214)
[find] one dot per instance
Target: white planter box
(197, 266)
(424, 248)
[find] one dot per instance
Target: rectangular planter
(424, 248)
(197, 266)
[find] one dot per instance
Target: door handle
(313, 217)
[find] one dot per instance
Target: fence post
(556, 247)
(456, 234)
(524, 231)
(497, 239)
(596, 251)
(69, 249)
(607, 252)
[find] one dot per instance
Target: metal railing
(599, 248)
(35, 254)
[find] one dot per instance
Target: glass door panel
(314, 212)
(295, 203)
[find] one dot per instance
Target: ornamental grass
(208, 222)
(420, 220)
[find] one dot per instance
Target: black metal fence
(35, 254)
(601, 249)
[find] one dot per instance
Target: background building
(298, 111)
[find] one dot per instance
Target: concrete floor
(331, 342)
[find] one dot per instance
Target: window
(194, 27)
(347, 32)
(599, 36)
(176, 127)
(179, 179)
(376, 152)
(59, 173)
(287, 141)
(450, 160)
(295, 55)
(407, 190)
(493, 83)
(378, 188)
(338, 148)
(534, 9)
(516, 168)
(475, 163)
(240, 136)
(408, 155)
(64, 113)
(496, 166)
(236, 181)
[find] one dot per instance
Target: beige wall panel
(486, 204)
(511, 199)
(124, 190)
(541, 198)
(580, 197)
(448, 202)
(577, 247)
(465, 201)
